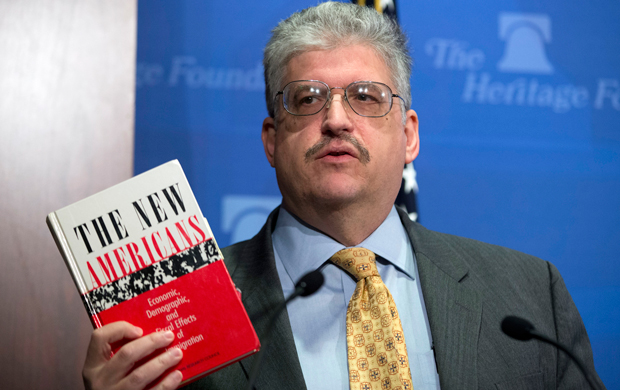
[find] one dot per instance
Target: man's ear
(268, 136)
(413, 139)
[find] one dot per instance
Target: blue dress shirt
(319, 321)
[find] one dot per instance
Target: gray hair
(331, 25)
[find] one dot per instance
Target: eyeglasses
(366, 98)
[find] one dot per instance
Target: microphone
(517, 328)
(521, 329)
(307, 285)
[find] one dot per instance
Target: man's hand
(101, 371)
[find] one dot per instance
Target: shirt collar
(303, 249)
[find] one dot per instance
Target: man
(338, 135)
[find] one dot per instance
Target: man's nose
(337, 115)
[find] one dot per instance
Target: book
(141, 251)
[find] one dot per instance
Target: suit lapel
(257, 278)
(454, 309)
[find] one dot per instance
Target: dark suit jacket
(468, 288)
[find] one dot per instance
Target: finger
(99, 348)
(171, 381)
(152, 369)
(125, 358)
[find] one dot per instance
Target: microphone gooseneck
(521, 329)
(307, 285)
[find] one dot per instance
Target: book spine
(67, 255)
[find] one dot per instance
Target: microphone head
(517, 328)
(310, 283)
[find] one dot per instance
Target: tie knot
(359, 262)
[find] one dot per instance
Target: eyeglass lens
(365, 98)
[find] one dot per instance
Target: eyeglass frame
(329, 97)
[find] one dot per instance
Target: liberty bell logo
(525, 36)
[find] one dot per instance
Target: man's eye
(307, 100)
(365, 98)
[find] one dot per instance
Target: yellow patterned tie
(375, 340)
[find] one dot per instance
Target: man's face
(336, 158)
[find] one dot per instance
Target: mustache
(364, 156)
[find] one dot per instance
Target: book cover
(141, 251)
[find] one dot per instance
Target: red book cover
(142, 252)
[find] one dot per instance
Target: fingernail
(138, 330)
(175, 352)
(168, 335)
(177, 376)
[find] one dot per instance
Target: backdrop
(519, 107)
